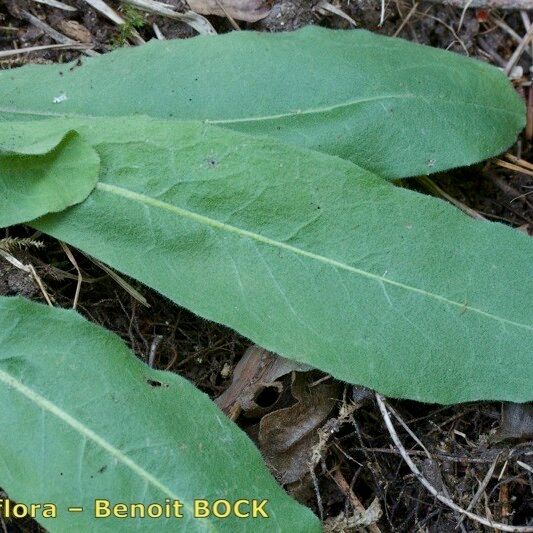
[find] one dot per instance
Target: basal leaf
(93, 422)
(391, 106)
(312, 257)
(43, 170)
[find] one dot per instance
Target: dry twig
(481, 489)
(120, 281)
(433, 187)
(519, 50)
(199, 23)
(354, 500)
(72, 259)
(76, 46)
(412, 11)
(56, 4)
(507, 29)
(325, 7)
(429, 487)
(512, 166)
(113, 16)
(56, 36)
(29, 269)
(486, 4)
(227, 14)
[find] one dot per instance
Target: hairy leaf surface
(43, 170)
(92, 421)
(393, 107)
(312, 257)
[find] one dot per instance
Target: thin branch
(429, 487)
(18, 51)
(481, 489)
(487, 4)
(29, 269)
(72, 259)
(56, 4)
(56, 36)
(519, 50)
(433, 187)
(194, 20)
(412, 11)
(113, 16)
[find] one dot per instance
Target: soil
(358, 461)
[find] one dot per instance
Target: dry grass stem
(512, 166)
(412, 11)
(519, 50)
(195, 21)
(79, 281)
(54, 34)
(429, 487)
(30, 49)
(56, 4)
(431, 186)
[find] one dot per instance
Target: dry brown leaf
(75, 31)
(287, 437)
(247, 10)
(258, 369)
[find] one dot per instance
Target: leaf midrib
(278, 116)
(45, 404)
(310, 111)
(202, 219)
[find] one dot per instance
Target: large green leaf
(83, 419)
(393, 107)
(311, 257)
(43, 170)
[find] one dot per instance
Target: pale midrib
(88, 433)
(310, 111)
(264, 118)
(202, 219)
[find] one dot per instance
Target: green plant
(133, 20)
(90, 421)
(308, 254)
(35, 185)
(391, 106)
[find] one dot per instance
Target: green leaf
(93, 422)
(43, 170)
(393, 107)
(312, 257)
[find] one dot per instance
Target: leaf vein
(89, 434)
(278, 116)
(213, 223)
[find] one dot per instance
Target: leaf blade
(393, 107)
(78, 386)
(149, 201)
(42, 171)
(312, 258)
